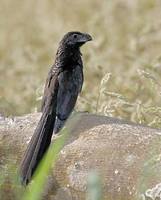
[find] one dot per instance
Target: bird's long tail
(38, 145)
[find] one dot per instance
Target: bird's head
(75, 39)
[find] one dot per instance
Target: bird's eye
(75, 36)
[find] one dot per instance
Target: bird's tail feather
(38, 145)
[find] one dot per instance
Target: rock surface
(126, 156)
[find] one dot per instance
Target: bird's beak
(87, 37)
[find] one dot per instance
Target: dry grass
(122, 66)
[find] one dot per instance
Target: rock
(126, 156)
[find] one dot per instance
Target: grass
(127, 45)
(35, 189)
(94, 186)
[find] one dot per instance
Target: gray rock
(126, 156)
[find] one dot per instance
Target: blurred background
(122, 65)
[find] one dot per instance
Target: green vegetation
(10, 188)
(35, 189)
(94, 189)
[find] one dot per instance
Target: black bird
(63, 84)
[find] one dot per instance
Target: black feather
(63, 84)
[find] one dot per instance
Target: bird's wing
(43, 132)
(70, 84)
(50, 85)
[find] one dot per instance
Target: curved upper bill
(85, 38)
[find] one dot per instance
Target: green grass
(35, 189)
(94, 186)
(126, 45)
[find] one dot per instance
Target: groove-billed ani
(63, 84)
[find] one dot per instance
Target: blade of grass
(34, 190)
(94, 187)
